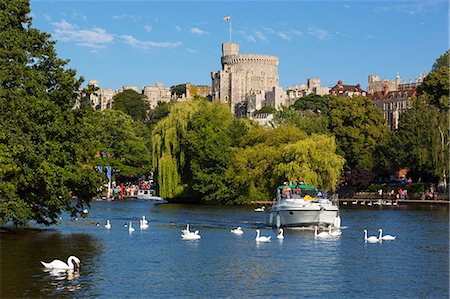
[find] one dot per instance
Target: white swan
(58, 264)
(371, 239)
(142, 225)
(237, 231)
(186, 231)
(385, 237)
(321, 235)
(334, 233)
(261, 209)
(108, 224)
(262, 238)
(130, 227)
(145, 221)
(280, 235)
(191, 236)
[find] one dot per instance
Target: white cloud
(147, 45)
(127, 17)
(148, 28)
(288, 35)
(198, 31)
(177, 28)
(94, 38)
(259, 35)
(193, 51)
(319, 33)
(414, 8)
(78, 16)
(47, 17)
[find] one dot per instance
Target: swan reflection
(64, 279)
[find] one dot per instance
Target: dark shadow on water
(23, 276)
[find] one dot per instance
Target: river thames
(157, 263)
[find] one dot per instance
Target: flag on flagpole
(108, 172)
(227, 18)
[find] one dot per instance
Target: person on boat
(286, 190)
(297, 190)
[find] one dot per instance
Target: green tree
(435, 86)
(208, 144)
(270, 156)
(308, 120)
(45, 153)
(122, 143)
(314, 102)
(359, 129)
(168, 149)
(178, 90)
(132, 103)
(266, 109)
(421, 142)
(312, 160)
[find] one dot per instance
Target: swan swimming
(371, 239)
(261, 209)
(108, 224)
(321, 235)
(237, 231)
(385, 237)
(280, 235)
(186, 231)
(58, 264)
(335, 233)
(262, 238)
(130, 228)
(191, 235)
(145, 221)
(142, 225)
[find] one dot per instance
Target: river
(157, 263)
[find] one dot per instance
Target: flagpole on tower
(230, 29)
(228, 19)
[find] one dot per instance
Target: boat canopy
(307, 187)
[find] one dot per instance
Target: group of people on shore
(402, 194)
(128, 189)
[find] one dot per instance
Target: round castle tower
(243, 74)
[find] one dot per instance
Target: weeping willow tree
(168, 157)
(312, 160)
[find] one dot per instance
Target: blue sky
(143, 42)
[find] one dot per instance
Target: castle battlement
(250, 58)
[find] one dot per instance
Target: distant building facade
(156, 93)
(312, 86)
(342, 90)
(392, 104)
(374, 83)
(247, 81)
(103, 97)
(393, 97)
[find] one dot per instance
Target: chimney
(385, 89)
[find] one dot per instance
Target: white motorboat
(149, 194)
(301, 206)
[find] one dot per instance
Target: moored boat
(302, 205)
(148, 194)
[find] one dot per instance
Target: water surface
(158, 263)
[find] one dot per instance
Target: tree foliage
(45, 152)
(435, 86)
(122, 142)
(132, 103)
(359, 128)
(421, 142)
(208, 144)
(270, 156)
